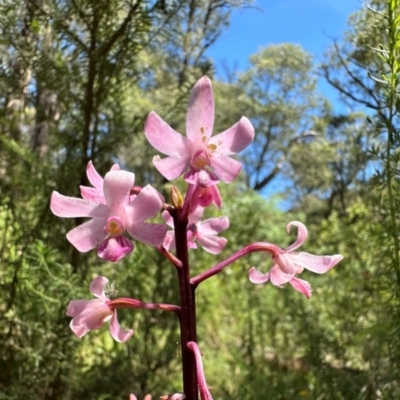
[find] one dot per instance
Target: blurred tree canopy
(78, 78)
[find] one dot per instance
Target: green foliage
(79, 78)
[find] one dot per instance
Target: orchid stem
(188, 307)
(123, 302)
(260, 246)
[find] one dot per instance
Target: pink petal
(190, 242)
(93, 176)
(119, 334)
(301, 235)
(200, 113)
(169, 241)
(257, 276)
(317, 264)
(164, 139)
(211, 243)
(202, 177)
(152, 234)
(79, 330)
(302, 286)
(114, 248)
(171, 167)
(97, 287)
(88, 235)
(93, 194)
(196, 215)
(278, 277)
(72, 207)
(213, 226)
(226, 168)
(204, 196)
(234, 139)
(166, 216)
(92, 317)
(117, 187)
(286, 263)
(76, 307)
(146, 205)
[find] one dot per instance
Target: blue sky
(311, 23)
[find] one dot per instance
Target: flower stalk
(188, 308)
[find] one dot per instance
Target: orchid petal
(119, 334)
(88, 235)
(171, 167)
(72, 207)
(114, 248)
(117, 187)
(196, 215)
(92, 316)
(163, 138)
(93, 194)
(78, 329)
(93, 176)
(203, 178)
(226, 168)
(76, 307)
(204, 196)
(166, 216)
(200, 113)
(148, 233)
(234, 139)
(301, 235)
(97, 287)
(302, 286)
(191, 244)
(286, 263)
(278, 277)
(146, 204)
(211, 243)
(257, 276)
(213, 226)
(169, 241)
(317, 264)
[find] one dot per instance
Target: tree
(279, 92)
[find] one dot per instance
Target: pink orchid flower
(203, 232)
(198, 151)
(113, 211)
(89, 315)
(203, 196)
(288, 264)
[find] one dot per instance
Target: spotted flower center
(114, 226)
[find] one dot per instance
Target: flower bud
(176, 198)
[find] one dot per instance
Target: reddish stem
(123, 302)
(260, 246)
(203, 387)
(188, 306)
(169, 256)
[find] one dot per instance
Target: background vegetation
(78, 78)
